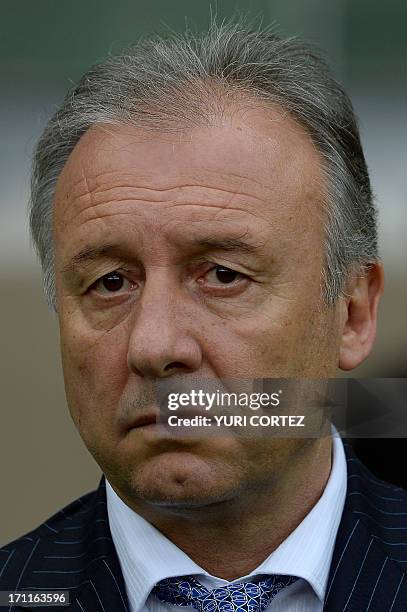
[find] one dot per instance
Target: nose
(161, 342)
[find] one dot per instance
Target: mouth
(155, 429)
(144, 420)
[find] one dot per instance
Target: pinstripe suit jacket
(74, 551)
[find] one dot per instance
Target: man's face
(196, 254)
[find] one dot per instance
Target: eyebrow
(227, 244)
(89, 254)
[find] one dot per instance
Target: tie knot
(252, 596)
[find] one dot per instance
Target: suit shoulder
(361, 477)
(14, 555)
(380, 507)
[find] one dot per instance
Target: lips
(144, 420)
(157, 419)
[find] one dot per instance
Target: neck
(257, 521)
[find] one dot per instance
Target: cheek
(95, 372)
(247, 348)
(286, 339)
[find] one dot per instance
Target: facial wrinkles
(249, 329)
(162, 261)
(217, 165)
(161, 214)
(135, 200)
(110, 194)
(135, 216)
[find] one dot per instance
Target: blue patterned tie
(238, 597)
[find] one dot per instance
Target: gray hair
(183, 80)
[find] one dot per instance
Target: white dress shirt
(146, 556)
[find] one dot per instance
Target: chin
(180, 480)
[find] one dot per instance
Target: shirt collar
(146, 556)
(307, 551)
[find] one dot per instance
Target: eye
(113, 282)
(224, 276)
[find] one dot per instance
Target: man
(202, 210)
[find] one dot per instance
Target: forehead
(255, 162)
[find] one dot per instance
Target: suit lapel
(73, 551)
(364, 575)
(102, 591)
(102, 588)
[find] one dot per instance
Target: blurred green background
(45, 46)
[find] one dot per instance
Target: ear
(359, 316)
